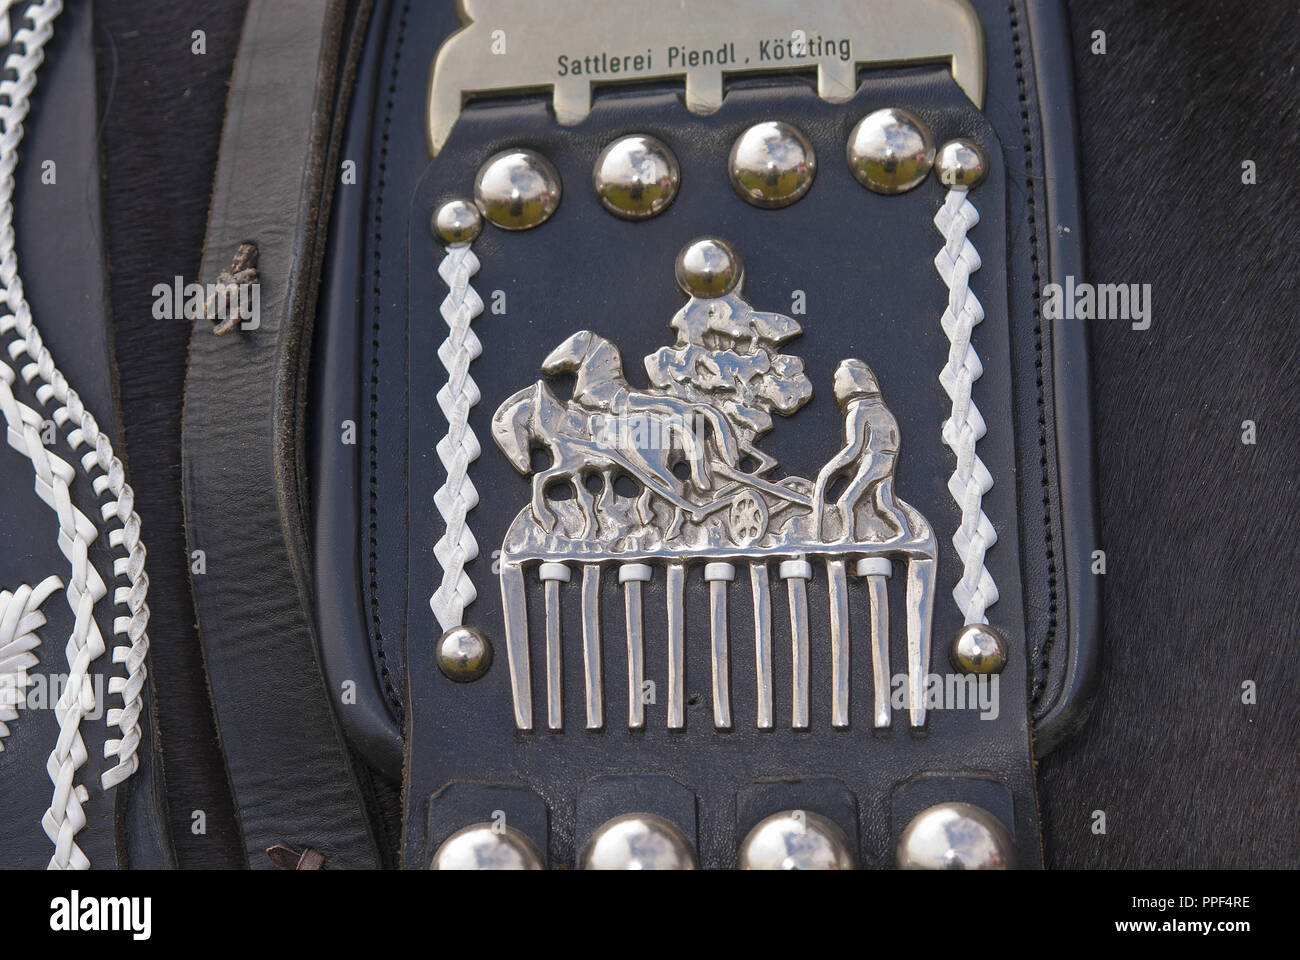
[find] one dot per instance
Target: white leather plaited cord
(5, 33)
(65, 817)
(975, 591)
(20, 618)
(459, 448)
(53, 475)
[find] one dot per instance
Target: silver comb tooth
(920, 620)
(719, 575)
(632, 576)
(591, 672)
(514, 605)
(676, 646)
(758, 583)
(878, 570)
(838, 588)
(552, 575)
(796, 574)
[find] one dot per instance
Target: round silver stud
(796, 840)
(890, 151)
(517, 189)
(979, 648)
(487, 846)
(457, 223)
(956, 836)
(961, 163)
(772, 164)
(464, 654)
(638, 841)
(707, 268)
(636, 177)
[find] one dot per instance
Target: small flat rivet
(463, 654)
(457, 223)
(708, 268)
(517, 189)
(636, 177)
(961, 163)
(796, 840)
(487, 846)
(638, 841)
(772, 164)
(979, 648)
(955, 836)
(890, 151)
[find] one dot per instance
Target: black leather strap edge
(373, 727)
(1060, 718)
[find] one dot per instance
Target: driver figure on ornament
(870, 443)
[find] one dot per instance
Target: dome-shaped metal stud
(638, 841)
(707, 268)
(772, 164)
(979, 648)
(890, 151)
(463, 654)
(487, 846)
(796, 840)
(956, 836)
(636, 177)
(517, 189)
(961, 163)
(457, 223)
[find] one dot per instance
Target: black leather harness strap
(579, 257)
(858, 272)
(291, 771)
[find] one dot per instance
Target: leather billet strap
(291, 770)
(861, 268)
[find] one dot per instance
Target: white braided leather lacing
(108, 478)
(20, 618)
(975, 591)
(459, 448)
(5, 33)
(64, 818)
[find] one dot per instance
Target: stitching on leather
(377, 281)
(1040, 672)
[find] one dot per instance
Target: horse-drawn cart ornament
(669, 478)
